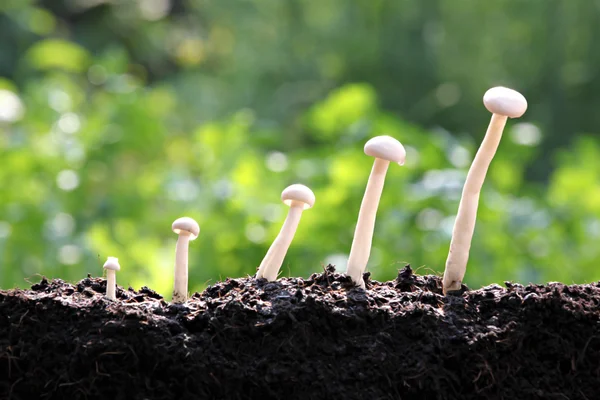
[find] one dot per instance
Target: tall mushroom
(187, 229)
(298, 198)
(111, 266)
(503, 103)
(385, 149)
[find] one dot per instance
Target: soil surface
(315, 338)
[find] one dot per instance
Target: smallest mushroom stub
(298, 193)
(111, 266)
(504, 101)
(386, 148)
(112, 263)
(186, 226)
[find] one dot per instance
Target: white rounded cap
(299, 193)
(112, 263)
(386, 148)
(504, 101)
(186, 226)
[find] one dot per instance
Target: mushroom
(502, 103)
(385, 149)
(111, 266)
(187, 229)
(298, 198)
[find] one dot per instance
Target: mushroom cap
(298, 192)
(505, 101)
(112, 263)
(186, 225)
(386, 148)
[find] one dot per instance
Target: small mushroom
(385, 149)
(298, 198)
(503, 103)
(187, 229)
(111, 266)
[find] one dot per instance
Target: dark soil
(315, 338)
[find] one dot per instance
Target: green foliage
(116, 120)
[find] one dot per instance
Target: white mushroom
(111, 266)
(187, 229)
(502, 103)
(298, 198)
(385, 149)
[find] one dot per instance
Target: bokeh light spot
(67, 180)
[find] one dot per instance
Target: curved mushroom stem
(462, 234)
(270, 265)
(180, 287)
(111, 284)
(363, 234)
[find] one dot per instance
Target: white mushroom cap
(112, 263)
(386, 148)
(186, 225)
(299, 193)
(505, 101)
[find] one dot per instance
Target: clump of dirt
(315, 338)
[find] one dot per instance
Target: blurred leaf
(56, 53)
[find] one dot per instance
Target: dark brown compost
(315, 338)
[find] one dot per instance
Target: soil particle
(315, 338)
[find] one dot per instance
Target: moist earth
(315, 338)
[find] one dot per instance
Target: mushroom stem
(363, 234)
(464, 226)
(269, 267)
(111, 284)
(180, 287)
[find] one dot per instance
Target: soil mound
(315, 338)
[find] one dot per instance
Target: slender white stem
(462, 234)
(363, 235)
(270, 265)
(111, 284)
(180, 288)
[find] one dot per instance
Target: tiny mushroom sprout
(385, 149)
(111, 266)
(187, 229)
(503, 103)
(298, 198)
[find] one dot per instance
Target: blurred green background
(117, 117)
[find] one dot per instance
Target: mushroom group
(502, 102)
